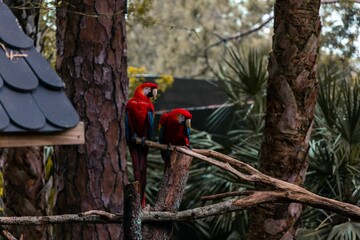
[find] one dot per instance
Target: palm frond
(345, 231)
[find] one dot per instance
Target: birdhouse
(34, 109)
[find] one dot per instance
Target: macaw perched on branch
(139, 121)
(174, 129)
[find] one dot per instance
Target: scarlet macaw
(174, 129)
(139, 121)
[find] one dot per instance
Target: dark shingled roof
(32, 97)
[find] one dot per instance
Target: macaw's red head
(182, 116)
(147, 89)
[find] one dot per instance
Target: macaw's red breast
(138, 116)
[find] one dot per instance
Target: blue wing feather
(188, 132)
(161, 134)
(151, 124)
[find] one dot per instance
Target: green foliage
(334, 165)
(136, 77)
(340, 34)
(345, 231)
(244, 77)
(138, 11)
(47, 24)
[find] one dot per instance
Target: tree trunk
(24, 170)
(23, 195)
(170, 195)
(92, 61)
(291, 99)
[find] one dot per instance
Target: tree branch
(283, 192)
(87, 217)
(240, 34)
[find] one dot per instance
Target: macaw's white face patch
(181, 118)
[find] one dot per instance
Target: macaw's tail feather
(139, 162)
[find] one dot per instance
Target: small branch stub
(132, 211)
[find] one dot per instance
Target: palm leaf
(345, 231)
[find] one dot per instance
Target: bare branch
(8, 235)
(240, 34)
(66, 218)
(224, 195)
(284, 192)
(100, 213)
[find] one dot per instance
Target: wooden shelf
(74, 136)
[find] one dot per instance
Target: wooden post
(132, 211)
(170, 194)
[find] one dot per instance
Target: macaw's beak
(154, 93)
(188, 123)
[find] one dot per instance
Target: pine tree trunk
(92, 62)
(23, 169)
(23, 195)
(291, 99)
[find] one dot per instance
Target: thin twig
(225, 195)
(10, 54)
(9, 236)
(239, 35)
(100, 213)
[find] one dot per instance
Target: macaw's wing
(151, 124)
(162, 133)
(128, 131)
(162, 127)
(187, 132)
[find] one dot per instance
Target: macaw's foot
(134, 137)
(143, 141)
(189, 146)
(147, 207)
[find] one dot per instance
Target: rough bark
(23, 189)
(24, 170)
(92, 62)
(291, 98)
(132, 212)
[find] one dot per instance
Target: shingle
(42, 69)
(32, 95)
(16, 72)
(61, 115)
(22, 109)
(1, 82)
(4, 119)
(10, 31)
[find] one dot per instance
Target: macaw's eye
(181, 118)
(146, 91)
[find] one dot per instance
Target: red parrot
(139, 121)
(174, 129)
